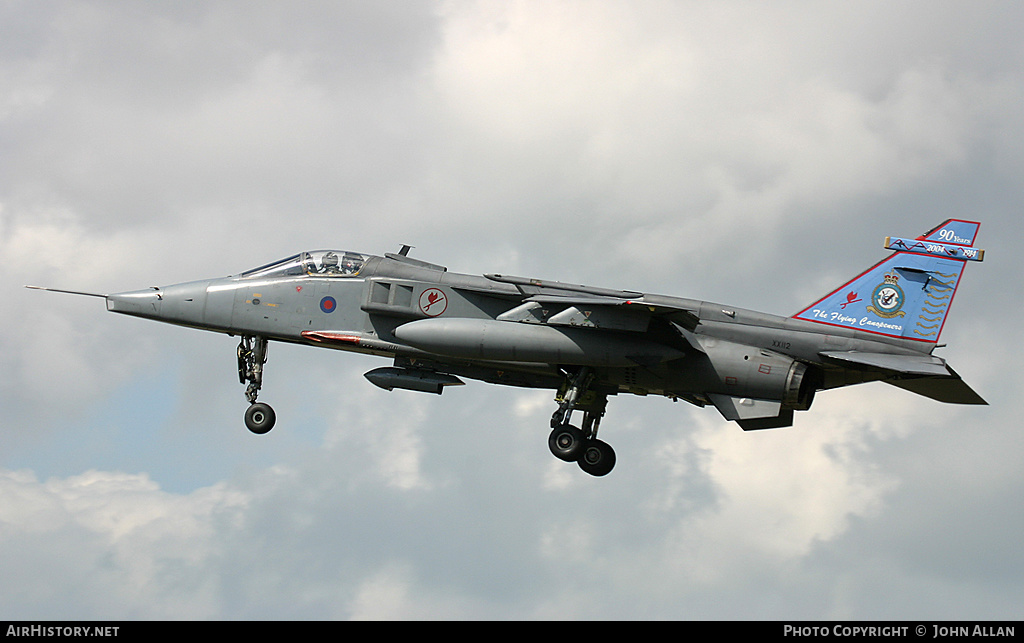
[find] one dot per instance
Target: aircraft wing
(925, 375)
(635, 309)
(626, 304)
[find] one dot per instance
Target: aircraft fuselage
(586, 342)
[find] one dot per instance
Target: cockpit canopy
(319, 263)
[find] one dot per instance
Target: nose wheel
(252, 355)
(580, 445)
(260, 418)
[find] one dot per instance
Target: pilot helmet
(330, 261)
(352, 263)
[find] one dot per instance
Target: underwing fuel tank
(515, 342)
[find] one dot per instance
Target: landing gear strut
(252, 355)
(581, 445)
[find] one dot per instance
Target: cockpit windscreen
(324, 263)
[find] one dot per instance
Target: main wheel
(566, 442)
(260, 418)
(596, 458)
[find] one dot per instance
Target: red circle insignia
(433, 302)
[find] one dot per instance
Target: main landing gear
(581, 445)
(252, 355)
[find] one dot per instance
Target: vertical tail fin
(908, 294)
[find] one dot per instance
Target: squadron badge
(887, 300)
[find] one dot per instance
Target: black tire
(596, 458)
(260, 418)
(566, 442)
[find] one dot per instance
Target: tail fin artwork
(908, 294)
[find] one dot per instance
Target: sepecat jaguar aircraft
(586, 343)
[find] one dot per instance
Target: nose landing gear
(577, 445)
(252, 355)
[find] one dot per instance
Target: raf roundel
(328, 304)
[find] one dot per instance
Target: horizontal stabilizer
(922, 374)
(902, 364)
(951, 390)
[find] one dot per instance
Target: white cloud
(779, 494)
(112, 544)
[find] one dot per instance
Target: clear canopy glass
(323, 263)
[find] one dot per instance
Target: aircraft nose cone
(141, 303)
(184, 303)
(177, 304)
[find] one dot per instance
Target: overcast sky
(749, 153)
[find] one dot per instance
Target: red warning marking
(433, 302)
(330, 336)
(764, 368)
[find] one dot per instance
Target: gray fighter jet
(583, 342)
